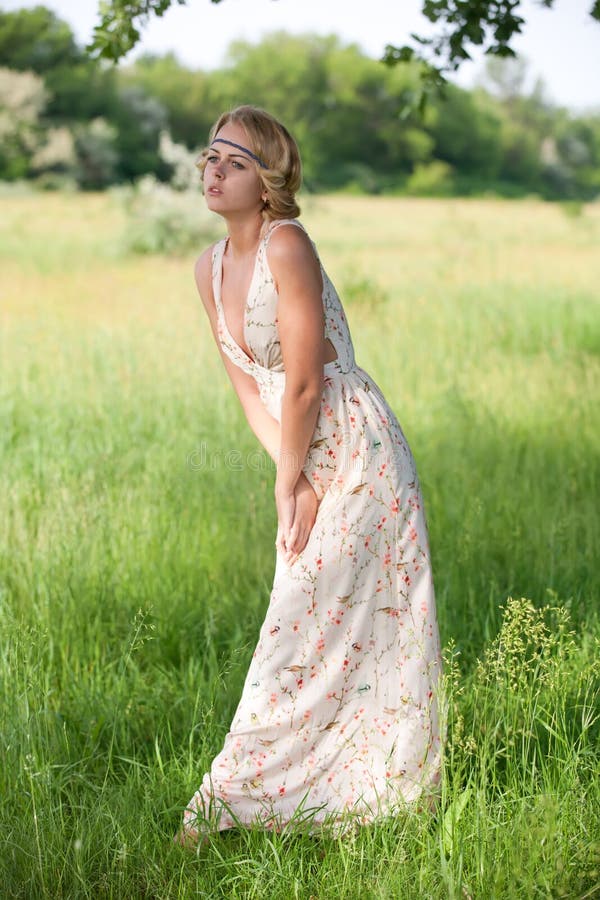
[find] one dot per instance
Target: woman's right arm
(264, 426)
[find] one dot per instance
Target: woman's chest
(260, 326)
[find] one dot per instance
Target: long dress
(338, 718)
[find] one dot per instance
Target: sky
(561, 45)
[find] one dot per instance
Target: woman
(338, 717)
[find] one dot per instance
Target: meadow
(136, 558)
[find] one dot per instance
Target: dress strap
(217, 270)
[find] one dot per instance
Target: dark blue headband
(243, 149)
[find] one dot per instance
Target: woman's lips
(213, 190)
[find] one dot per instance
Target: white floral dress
(338, 718)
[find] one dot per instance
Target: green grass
(133, 579)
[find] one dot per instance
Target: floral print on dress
(338, 717)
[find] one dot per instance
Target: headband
(243, 149)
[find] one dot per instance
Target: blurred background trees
(69, 120)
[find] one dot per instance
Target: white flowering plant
(168, 218)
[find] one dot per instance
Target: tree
(288, 74)
(185, 94)
(488, 23)
(139, 120)
(466, 135)
(22, 100)
(36, 40)
(97, 154)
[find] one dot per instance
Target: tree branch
(488, 23)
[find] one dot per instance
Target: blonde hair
(274, 145)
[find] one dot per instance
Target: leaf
(451, 817)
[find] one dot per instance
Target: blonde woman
(338, 718)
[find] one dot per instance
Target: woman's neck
(244, 236)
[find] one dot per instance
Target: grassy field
(133, 580)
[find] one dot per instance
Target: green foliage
(467, 136)
(533, 700)
(139, 120)
(355, 125)
(356, 121)
(288, 75)
(572, 208)
(37, 40)
(80, 92)
(118, 30)
(187, 96)
(463, 24)
(97, 154)
(432, 179)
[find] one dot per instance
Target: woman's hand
(286, 505)
(296, 516)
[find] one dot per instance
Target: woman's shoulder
(287, 239)
(203, 270)
(204, 262)
(291, 254)
(279, 226)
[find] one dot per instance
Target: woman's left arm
(300, 322)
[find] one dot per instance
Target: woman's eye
(236, 164)
(212, 159)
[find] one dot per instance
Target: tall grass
(136, 559)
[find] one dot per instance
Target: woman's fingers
(299, 537)
(286, 504)
(299, 540)
(293, 535)
(295, 522)
(285, 543)
(279, 540)
(292, 544)
(295, 553)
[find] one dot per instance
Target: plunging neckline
(218, 253)
(218, 295)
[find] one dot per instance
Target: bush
(97, 156)
(162, 220)
(55, 181)
(433, 179)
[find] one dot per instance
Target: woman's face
(231, 182)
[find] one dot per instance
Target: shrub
(433, 179)
(532, 701)
(97, 156)
(162, 220)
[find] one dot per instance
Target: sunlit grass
(135, 564)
